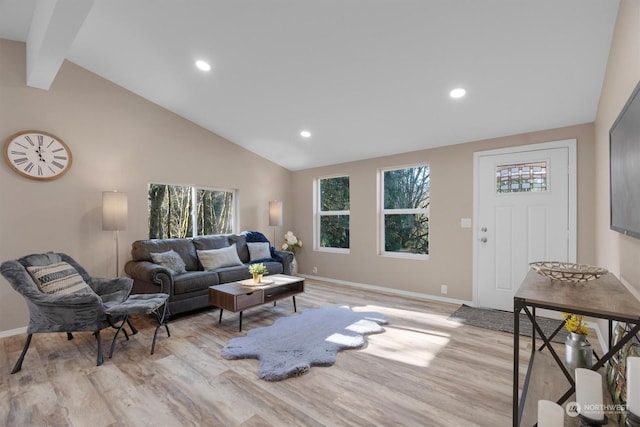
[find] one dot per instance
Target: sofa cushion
(217, 241)
(256, 236)
(233, 274)
(259, 251)
(241, 246)
(273, 267)
(214, 259)
(170, 259)
(59, 278)
(193, 281)
(141, 250)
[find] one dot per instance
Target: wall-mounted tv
(624, 158)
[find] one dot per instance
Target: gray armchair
(83, 310)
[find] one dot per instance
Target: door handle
(483, 240)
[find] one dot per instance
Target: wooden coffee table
(239, 296)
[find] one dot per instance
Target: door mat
(498, 320)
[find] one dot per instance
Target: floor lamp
(275, 216)
(114, 217)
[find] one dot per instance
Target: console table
(604, 298)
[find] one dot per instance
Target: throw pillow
(171, 260)
(59, 278)
(258, 251)
(213, 259)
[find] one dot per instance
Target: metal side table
(603, 298)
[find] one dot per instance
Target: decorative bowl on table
(568, 271)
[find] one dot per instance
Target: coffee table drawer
(249, 300)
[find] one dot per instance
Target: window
(405, 211)
(521, 177)
(184, 211)
(332, 220)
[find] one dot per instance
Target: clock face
(37, 155)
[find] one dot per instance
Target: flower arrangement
(258, 269)
(575, 323)
(291, 242)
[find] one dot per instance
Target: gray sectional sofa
(188, 285)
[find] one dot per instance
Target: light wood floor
(423, 371)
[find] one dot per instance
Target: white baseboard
(11, 332)
(416, 295)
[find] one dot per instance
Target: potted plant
(578, 349)
(257, 270)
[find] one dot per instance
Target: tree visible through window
(333, 212)
(405, 210)
(183, 211)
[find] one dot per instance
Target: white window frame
(318, 214)
(382, 212)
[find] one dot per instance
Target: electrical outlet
(443, 289)
(314, 270)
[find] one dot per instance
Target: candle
(550, 414)
(589, 394)
(633, 385)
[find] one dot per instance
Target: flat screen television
(624, 168)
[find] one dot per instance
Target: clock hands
(39, 151)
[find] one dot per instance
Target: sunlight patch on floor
(417, 348)
(418, 316)
(415, 341)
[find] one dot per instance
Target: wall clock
(37, 155)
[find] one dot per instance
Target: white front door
(524, 214)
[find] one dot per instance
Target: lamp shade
(275, 213)
(114, 210)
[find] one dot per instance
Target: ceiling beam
(54, 26)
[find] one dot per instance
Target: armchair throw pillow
(213, 259)
(59, 278)
(171, 260)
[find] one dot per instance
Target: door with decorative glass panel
(525, 210)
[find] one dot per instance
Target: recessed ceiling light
(203, 65)
(305, 134)
(457, 93)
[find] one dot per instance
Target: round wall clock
(37, 155)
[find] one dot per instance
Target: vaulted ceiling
(366, 78)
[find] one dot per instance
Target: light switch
(465, 222)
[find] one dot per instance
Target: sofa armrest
(149, 272)
(287, 258)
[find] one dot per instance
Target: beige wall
(119, 141)
(618, 253)
(451, 258)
